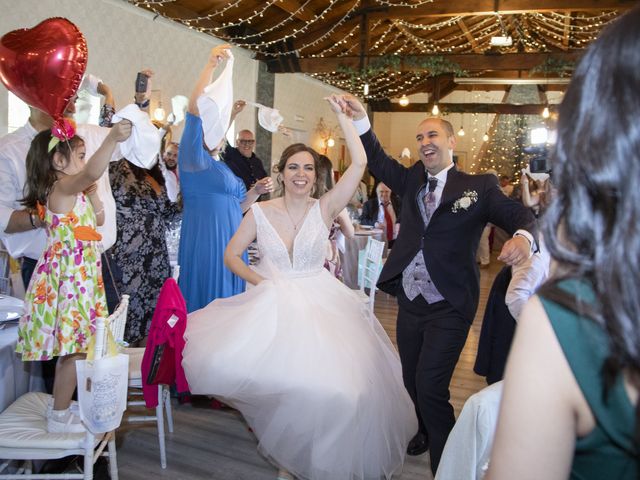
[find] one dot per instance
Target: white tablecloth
(16, 377)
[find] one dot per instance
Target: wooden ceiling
(400, 47)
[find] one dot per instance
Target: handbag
(102, 387)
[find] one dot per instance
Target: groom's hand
(515, 251)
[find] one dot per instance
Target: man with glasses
(241, 159)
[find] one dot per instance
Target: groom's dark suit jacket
(450, 241)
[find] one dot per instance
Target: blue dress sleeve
(192, 157)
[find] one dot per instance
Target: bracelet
(31, 220)
(98, 212)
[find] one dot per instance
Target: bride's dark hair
(290, 151)
(592, 225)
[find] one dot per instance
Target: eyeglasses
(247, 142)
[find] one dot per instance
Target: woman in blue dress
(214, 199)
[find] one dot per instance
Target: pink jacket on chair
(170, 302)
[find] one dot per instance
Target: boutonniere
(465, 201)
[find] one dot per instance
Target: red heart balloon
(44, 65)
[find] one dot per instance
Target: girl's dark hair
(591, 226)
(290, 151)
(41, 172)
(140, 173)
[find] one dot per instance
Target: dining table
(16, 377)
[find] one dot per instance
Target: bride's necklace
(296, 224)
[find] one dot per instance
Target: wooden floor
(216, 444)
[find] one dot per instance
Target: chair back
(371, 268)
(115, 323)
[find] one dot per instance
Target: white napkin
(143, 146)
(405, 153)
(215, 106)
(179, 105)
(90, 84)
(268, 118)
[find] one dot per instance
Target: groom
(432, 269)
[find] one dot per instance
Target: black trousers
(430, 338)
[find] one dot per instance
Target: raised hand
(238, 106)
(121, 130)
(353, 108)
(219, 53)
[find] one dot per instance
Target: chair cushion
(23, 425)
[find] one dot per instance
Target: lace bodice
(309, 246)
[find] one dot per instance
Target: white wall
(300, 100)
(123, 39)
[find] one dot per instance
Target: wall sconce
(327, 134)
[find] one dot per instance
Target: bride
(311, 370)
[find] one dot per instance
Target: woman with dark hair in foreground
(570, 405)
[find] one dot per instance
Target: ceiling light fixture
(404, 101)
(435, 110)
(501, 41)
(485, 137)
(545, 112)
(461, 132)
(365, 90)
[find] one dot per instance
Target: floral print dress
(142, 217)
(66, 294)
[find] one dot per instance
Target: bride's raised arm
(332, 202)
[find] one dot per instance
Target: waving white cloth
(215, 106)
(179, 105)
(268, 118)
(143, 145)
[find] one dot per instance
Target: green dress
(608, 452)
(66, 294)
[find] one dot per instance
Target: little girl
(66, 293)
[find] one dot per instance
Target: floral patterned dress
(142, 217)
(66, 294)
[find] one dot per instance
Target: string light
(365, 90)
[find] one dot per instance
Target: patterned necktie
(388, 221)
(430, 198)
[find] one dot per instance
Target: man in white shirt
(169, 167)
(21, 230)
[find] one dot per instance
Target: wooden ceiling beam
(499, 108)
(467, 33)
(469, 62)
(490, 7)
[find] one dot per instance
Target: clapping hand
(263, 186)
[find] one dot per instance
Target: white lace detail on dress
(309, 246)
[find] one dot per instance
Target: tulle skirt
(314, 374)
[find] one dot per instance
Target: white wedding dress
(313, 373)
